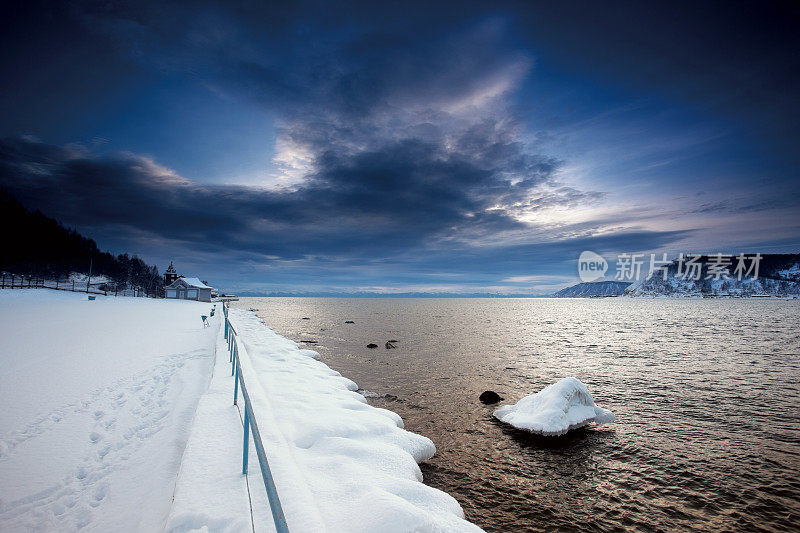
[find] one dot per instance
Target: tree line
(37, 245)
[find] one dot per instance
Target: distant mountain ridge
(593, 289)
(778, 275)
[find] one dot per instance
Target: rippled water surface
(706, 393)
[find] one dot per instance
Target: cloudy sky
(315, 147)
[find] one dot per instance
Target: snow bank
(211, 491)
(339, 463)
(556, 409)
(97, 402)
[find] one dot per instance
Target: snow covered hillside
(97, 402)
(596, 288)
(339, 464)
(778, 275)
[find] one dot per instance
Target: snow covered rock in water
(555, 409)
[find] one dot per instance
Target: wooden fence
(11, 281)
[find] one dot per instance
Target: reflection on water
(706, 395)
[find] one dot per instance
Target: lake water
(706, 394)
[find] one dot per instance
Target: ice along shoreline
(339, 464)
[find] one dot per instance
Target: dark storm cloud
(406, 137)
(375, 202)
(337, 225)
(739, 60)
(52, 69)
(403, 130)
(379, 208)
(343, 82)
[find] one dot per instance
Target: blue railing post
(236, 386)
(252, 426)
(246, 438)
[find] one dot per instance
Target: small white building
(189, 289)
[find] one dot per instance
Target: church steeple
(170, 275)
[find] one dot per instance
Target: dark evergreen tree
(37, 245)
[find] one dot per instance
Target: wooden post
(73, 285)
(89, 279)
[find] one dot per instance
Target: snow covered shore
(339, 464)
(117, 415)
(97, 398)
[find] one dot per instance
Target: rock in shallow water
(489, 397)
(389, 345)
(372, 345)
(556, 409)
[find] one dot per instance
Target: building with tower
(170, 275)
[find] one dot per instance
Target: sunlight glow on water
(706, 394)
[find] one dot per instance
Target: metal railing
(250, 424)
